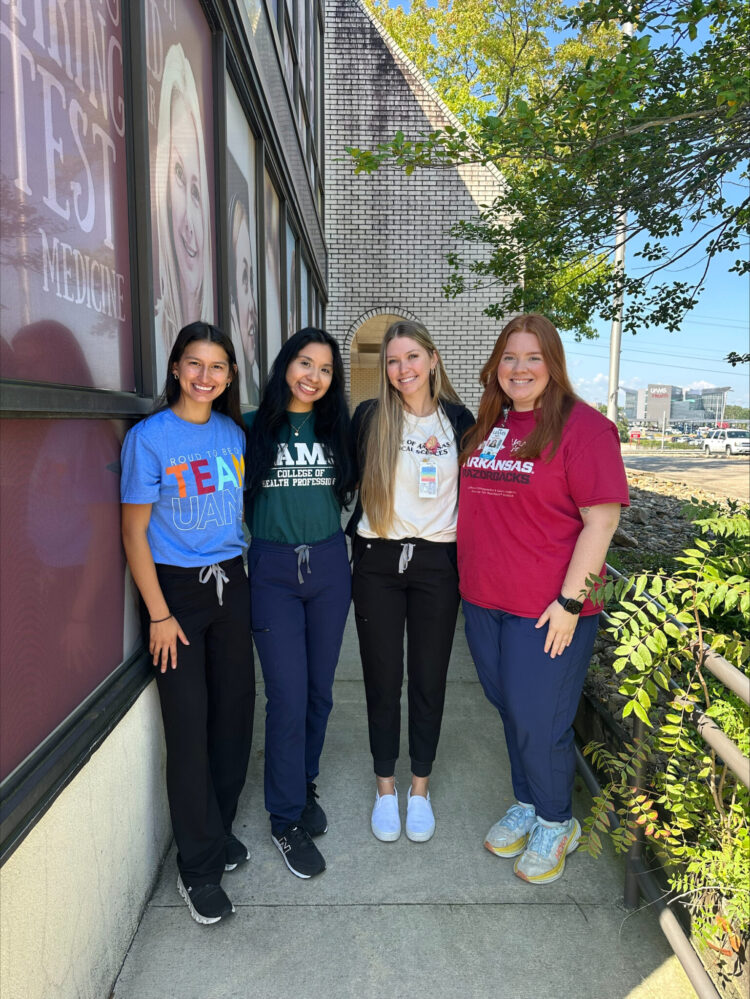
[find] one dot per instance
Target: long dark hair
(229, 400)
(553, 409)
(332, 423)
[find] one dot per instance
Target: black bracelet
(161, 619)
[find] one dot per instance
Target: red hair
(554, 406)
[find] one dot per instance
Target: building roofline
(396, 50)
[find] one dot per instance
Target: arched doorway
(363, 355)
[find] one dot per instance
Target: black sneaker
(313, 819)
(236, 853)
(207, 903)
(300, 854)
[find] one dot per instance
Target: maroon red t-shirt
(519, 519)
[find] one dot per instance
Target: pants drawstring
(407, 550)
(215, 570)
(303, 558)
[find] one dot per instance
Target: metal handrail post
(634, 858)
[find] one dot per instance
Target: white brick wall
(388, 234)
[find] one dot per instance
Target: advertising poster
(64, 252)
(273, 270)
(180, 126)
(243, 256)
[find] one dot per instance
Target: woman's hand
(561, 626)
(162, 642)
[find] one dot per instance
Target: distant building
(635, 405)
(672, 404)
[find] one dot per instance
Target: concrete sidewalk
(437, 919)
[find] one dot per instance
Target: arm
(590, 552)
(163, 636)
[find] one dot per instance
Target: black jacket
(460, 418)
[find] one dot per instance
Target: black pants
(424, 599)
(207, 705)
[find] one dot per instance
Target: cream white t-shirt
(429, 438)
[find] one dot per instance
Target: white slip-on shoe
(385, 821)
(420, 821)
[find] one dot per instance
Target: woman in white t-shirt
(404, 558)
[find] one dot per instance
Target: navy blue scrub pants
(299, 597)
(537, 698)
(207, 706)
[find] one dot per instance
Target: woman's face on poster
(246, 311)
(186, 207)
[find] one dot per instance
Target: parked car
(727, 442)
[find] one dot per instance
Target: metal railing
(638, 880)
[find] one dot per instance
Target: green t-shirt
(296, 504)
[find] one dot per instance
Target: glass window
(180, 118)
(312, 31)
(288, 61)
(304, 295)
(273, 271)
(293, 323)
(65, 265)
(68, 614)
(242, 227)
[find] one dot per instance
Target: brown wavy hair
(554, 406)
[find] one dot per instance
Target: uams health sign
(62, 154)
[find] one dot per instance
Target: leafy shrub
(692, 809)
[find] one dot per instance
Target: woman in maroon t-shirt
(542, 483)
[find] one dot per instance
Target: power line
(666, 364)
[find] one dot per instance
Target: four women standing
(542, 483)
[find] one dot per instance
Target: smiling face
(246, 311)
(309, 376)
(204, 372)
(185, 192)
(408, 367)
(522, 372)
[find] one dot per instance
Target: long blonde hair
(384, 427)
(553, 409)
(178, 81)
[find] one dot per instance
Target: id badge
(494, 442)
(428, 480)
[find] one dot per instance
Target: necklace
(296, 430)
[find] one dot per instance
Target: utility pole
(615, 338)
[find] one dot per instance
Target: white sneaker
(385, 821)
(508, 836)
(544, 858)
(420, 822)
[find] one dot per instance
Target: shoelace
(407, 550)
(515, 817)
(215, 570)
(303, 558)
(542, 839)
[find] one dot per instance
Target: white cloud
(701, 385)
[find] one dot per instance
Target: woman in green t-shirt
(300, 472)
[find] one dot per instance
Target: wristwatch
(570, 605)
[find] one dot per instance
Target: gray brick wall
(388, 234)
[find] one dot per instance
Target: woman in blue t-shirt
(182, 491)
(300, 473)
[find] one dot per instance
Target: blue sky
(692, 357)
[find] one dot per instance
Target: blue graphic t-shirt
(192, 474)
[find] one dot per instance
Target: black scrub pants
(423, 598)
(207, 705)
